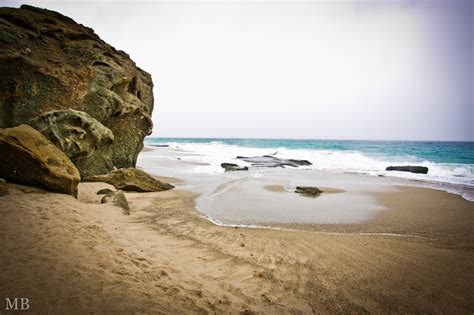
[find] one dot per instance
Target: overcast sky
(324, 70)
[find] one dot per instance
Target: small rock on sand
(104, 191)
(117, 198)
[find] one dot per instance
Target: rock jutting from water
(308, 191)
(409, 168)
(273, 161)
(87, 97)
(231, 167)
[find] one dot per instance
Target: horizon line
(308, 139)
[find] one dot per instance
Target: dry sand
(79, 255)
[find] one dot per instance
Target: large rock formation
(27, 157)
(88, 98)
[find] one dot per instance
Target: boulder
(117, 198)
(104, 191)
(29, 158)
(79, 91)
(308, 191)
(131, 179)
(84, 139)
(273, 161)
(3, 187)
(229, 167)
(409, 168)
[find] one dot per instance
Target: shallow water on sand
(243, 199)
(240, 198)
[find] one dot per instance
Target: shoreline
(371, 226)
(450, 173)
(355, 196)
(70, 254)
(465, 191)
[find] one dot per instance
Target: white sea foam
(254, 226)
(456, 176)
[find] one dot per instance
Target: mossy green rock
(84, 139)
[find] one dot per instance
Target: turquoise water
(438, 152)
(448, 162)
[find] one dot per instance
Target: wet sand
(275, 188)
(281, 188)
(147, 149)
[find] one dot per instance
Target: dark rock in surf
(308, 191)
(230, 167)
(300, 162)
(273, 161)
(409, 168)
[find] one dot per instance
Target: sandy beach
(77, 255)
(236, 157)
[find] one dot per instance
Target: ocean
(449, 163)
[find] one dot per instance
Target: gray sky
(324, 70)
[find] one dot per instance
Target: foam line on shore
(253, 226)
